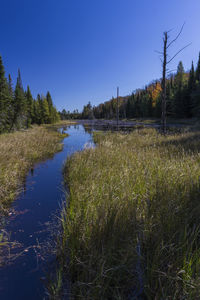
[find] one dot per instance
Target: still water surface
(28, 225)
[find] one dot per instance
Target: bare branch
(158, 52)
(169, 30)
(178, 52)
(176, 36)
(171, 71)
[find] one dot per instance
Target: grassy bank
(19, 152)
(133, 226)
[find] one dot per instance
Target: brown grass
(19, 152)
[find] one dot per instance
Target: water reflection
(32, 171)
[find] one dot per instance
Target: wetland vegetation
(131, 224)
(19, 152)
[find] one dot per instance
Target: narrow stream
(34, 208)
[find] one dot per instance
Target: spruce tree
(49, 99)
(45, 111)
(29, 107)
(5, 100)
(188, 94)
(20, 108)
(11, 106)
(50, 104)
(179, 84)
(10, 86)
(36, 112)
(191, 81)
(197, 73)
(39, 110)
(130, 106)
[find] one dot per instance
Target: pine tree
(179, 75)
(11, 112)
(197, 73)
(191, 81)
(179, 84)
(10, 86)
(45, 111)
(36, 112)
(188, 92)
(20, 108)
(29, 107)
(39, 110)
(130, 106)
(50, 104)
(49, 99)
(5, 100)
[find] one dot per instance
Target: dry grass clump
(132, 226)
(18, 153)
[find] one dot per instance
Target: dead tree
(163, 116)
(165, 62)
(117, 108)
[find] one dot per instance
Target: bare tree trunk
(117, 108)
(165, 62)
(163, 117)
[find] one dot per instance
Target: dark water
(34, 209)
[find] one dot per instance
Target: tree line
(18, 108)
(182, 99)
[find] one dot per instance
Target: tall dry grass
(132, 227)
(19, 151)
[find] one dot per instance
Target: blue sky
(81, 50)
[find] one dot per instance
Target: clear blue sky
(81, 50)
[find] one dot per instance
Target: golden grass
(132, 225)
(19, 151)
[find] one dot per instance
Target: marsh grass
(132, 226)
(19, 151)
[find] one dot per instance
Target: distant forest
(18, 109)
(183, 99)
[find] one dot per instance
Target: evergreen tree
(5, 100)
(49, 99)
(169, 97)
(36, 112)
(20, 108)
(88, 111)
(179, 75)
(188, 95)
(179, 84)
(29, 107)
(11, 112)
(10, 86)
(191, 81)
(50, 105)
(45, 111)
(40, 110)
(130, 106)
(197, 73)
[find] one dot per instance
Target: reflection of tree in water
(76, 126)
(32, 171)
(88, 128)
(24, 186)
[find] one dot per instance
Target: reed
(131, 227)
(19, 152)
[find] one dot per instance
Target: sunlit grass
(132, 226)
(19, 152)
